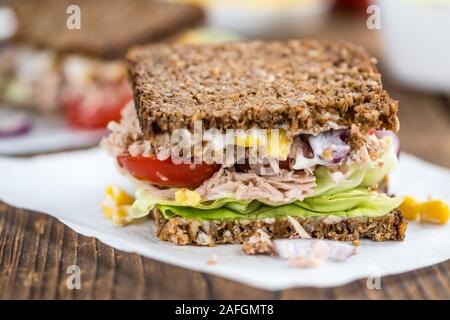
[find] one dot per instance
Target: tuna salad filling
(336, 173)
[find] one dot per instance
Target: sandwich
(293, 138)
(54, 64)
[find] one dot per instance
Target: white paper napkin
(70, 186)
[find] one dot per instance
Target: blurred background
(409, 38)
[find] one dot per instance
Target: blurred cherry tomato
(95, 108)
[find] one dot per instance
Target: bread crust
(306, 86)
(181, 231)
(108, 27)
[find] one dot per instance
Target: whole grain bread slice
(108, 27)
(182, 231)
(306, 86)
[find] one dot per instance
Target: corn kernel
(276, 143)
(122, 211)
(107, 212)
(409, 208)
(117, 205)
(188, 197)
(119, 196)
(434, 211)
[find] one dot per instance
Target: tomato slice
(96, 108)
(165, 172)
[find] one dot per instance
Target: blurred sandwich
(50, 67)
(313, 142)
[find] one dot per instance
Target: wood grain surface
(35, 249)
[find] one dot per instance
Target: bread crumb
(213, 259)
(356, 243)
(259, 243)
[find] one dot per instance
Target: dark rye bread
(307, 85)
(181, 231)
(108, 27)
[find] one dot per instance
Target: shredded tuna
(126, 135)
(370, 151)
(284, 187)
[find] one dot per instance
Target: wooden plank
(50, 280)
(170, 282)
(105, 272)
(10, 288)
(220, 288)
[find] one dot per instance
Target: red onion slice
(14, 124)
(334, 140)
(292, 248)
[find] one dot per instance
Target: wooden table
(35, 249)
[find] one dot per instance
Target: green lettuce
(145, 202)
(356, 203)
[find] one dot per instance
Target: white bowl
(268, 19)
(416, 39)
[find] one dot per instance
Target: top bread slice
(108, 27)
(305, 86)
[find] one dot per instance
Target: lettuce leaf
(356, 203)
(145, 202)
(353, 203)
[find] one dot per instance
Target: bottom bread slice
(182, 231)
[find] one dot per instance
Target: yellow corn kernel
(107, 212)
(118, 215)
(117, 205)
(410, 208)
(276, 143)
(434, 211)
(250, 139)
(122, 211)
(119, 196)
(188, 197)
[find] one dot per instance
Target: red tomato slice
(165, 172)
(82, 112)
